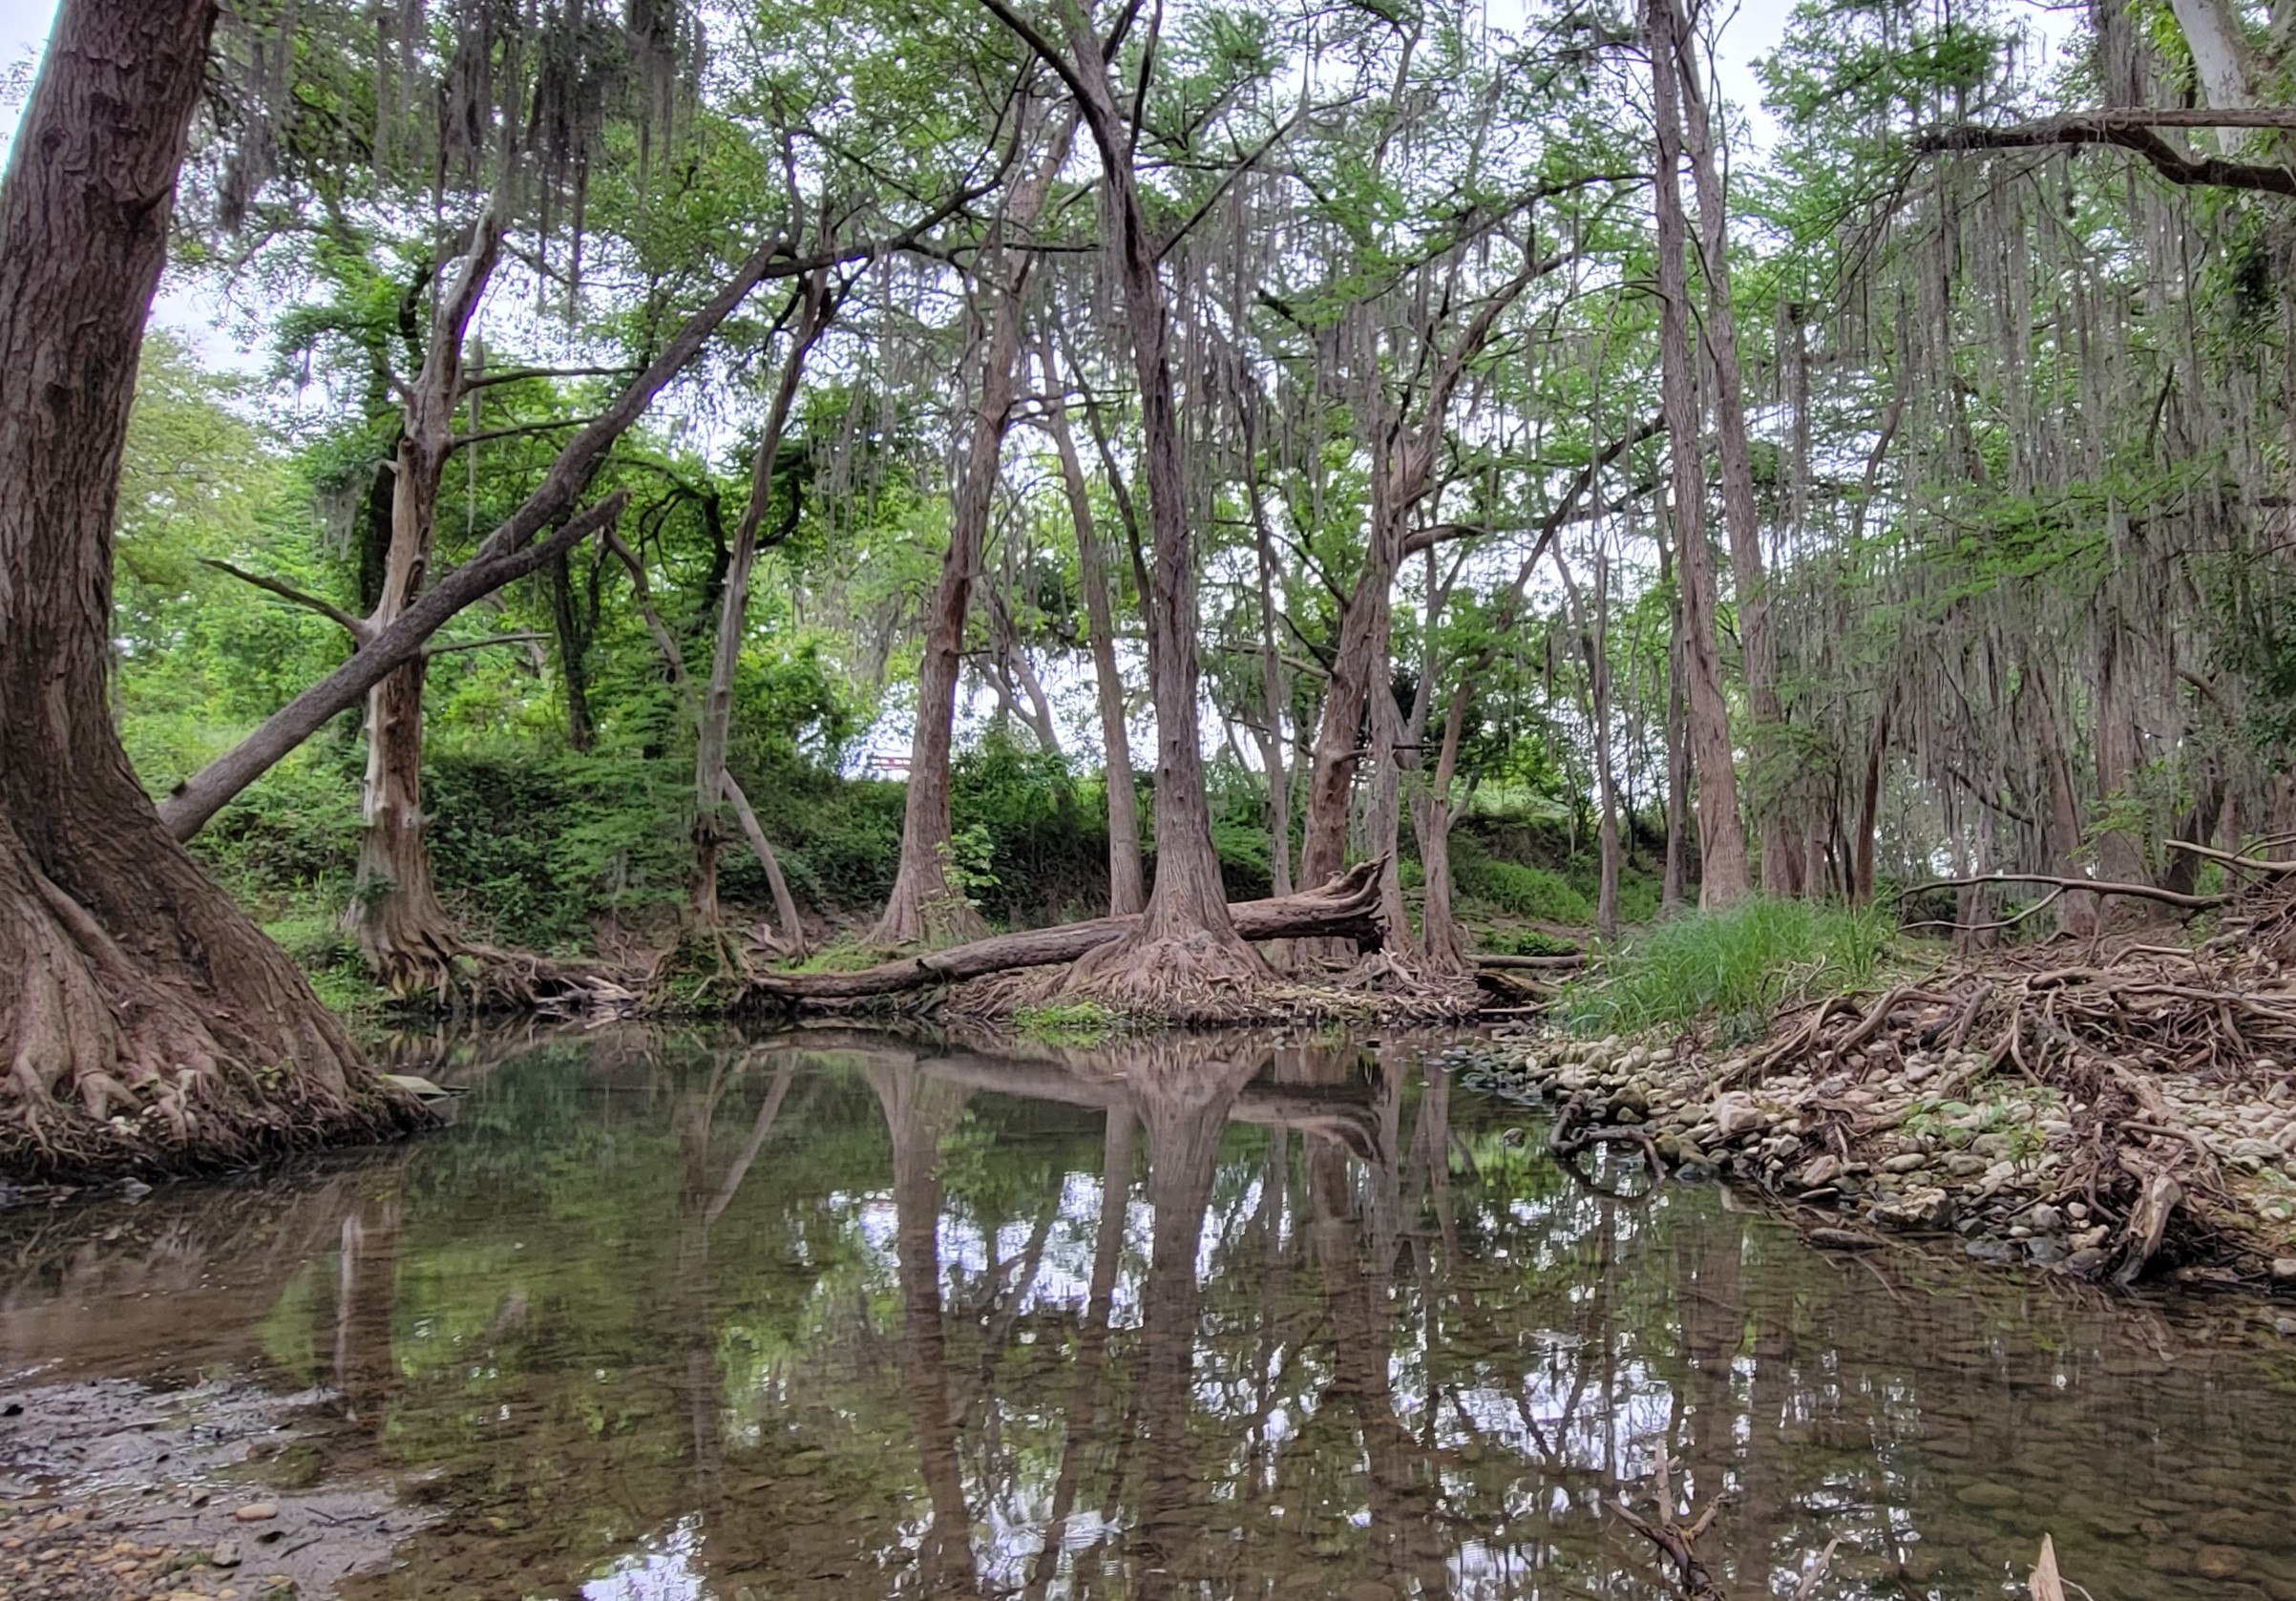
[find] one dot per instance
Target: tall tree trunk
(574, 628)
(131, 985)
(1188, 911)
(408, 940)
(1438, 931)
(1869, 802)
(924, 907)
(2120, 754)
(1674, 886)
(1780, 860)
(1724, 878)
(1127, 881)
(1386, 819)
(1274, 698)
(1593, 643)
(713, 780)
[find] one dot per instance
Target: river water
(852, 1315)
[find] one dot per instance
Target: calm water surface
(850, 1316)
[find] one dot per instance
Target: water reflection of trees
(1203, 1317)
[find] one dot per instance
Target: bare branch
(357, 628)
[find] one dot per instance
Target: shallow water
(849, 1315)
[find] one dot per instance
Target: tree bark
(1674, 885)
(1724, 880)
(1438, 925)
(132, 987)
(1127, 880)
(1781, 862)
(1185, 938)
(1593, 643)
(924, 907)
(406, 935)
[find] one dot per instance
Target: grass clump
(1070, 1023)
(1736, 968)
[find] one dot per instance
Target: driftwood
(1347, 907)
(2091, 886)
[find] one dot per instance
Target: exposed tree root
(458, 975)
(1195, 979)
(2106, 1031)
(116, 1065)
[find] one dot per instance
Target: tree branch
(2093, 886)
(482, 644)
(357, 628)
(2137, 129)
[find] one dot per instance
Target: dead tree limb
(2093, 886)
(2247, 864)
(1345, 907)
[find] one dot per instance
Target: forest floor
(2110, 1108)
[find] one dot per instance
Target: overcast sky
(1752, 31)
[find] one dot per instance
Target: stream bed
(674, 1316)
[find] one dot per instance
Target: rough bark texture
(408, 940)
(1724, 878)
(145, 1023)
(1185, 938)
(1675, 882)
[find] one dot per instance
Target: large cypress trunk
(147, 1022)
(1188, 948)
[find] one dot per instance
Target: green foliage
(1735, 967)
(1520, 891)
(1526, 942)
(1069, 1023)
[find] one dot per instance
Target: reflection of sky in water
(666, 1571)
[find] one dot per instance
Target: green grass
(1519, 891)
(1735, 968)
(1069, 1023)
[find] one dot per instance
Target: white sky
(1752, 30)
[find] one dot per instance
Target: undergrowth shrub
(1519, 891)
(1736, 967)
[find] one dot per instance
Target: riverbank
(2188, 1175)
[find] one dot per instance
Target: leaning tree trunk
(1724, 878)
(145, 1020)
(924, 907)
(713, 731)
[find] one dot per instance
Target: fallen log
(2065, 882)
(1531, 963)
(1347, 907)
